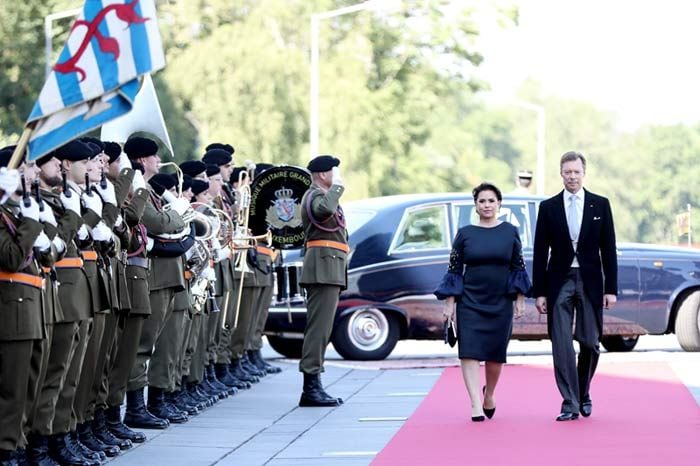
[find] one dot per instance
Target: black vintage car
(399, 252)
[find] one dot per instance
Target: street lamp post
(314, 72)
(48, 33)
(541, 124)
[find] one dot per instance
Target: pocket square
(596, 218)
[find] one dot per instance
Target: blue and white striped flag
(95, 80)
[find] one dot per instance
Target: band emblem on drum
(284, 211)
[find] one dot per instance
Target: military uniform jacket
(73, 281)
(323, 265)
(137, 275)
(21, 307)
(166, 272)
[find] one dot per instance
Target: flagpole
(21, 147)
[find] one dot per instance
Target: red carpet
(642, 416)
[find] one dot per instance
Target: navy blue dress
(485, 273)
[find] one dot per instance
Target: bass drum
(275, 205)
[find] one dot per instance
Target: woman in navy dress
(486, 277)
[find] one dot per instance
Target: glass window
(357, 218)
(424, 228)
(515, 213)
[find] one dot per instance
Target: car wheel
(287, 347)
(619, 343)
(688, 322)
(366, 335)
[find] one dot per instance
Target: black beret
(261, 167)
(235, 173)
(217, 145)
(6, 155)
(74, 151)
(137, 166)
(113, 151)
(162, 182)
(199, 186)
(193, 167)
(322, 163)
(96, 149)
(217, 157)
(186, 182)
(138, 147)
(45, 159)
(95, 141)
(213, 170)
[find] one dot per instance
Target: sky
(638, 59)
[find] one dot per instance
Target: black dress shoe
(586, 408)
(567, 417)
(488, 411)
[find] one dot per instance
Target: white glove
(107, 193)
(138, 182)
(72, 202)
(180, 205)
(101, 232)
(336, 179)
(59, 244)
(118, 222)
(149, 244)
(221, 254)
(209, 274)
(92, 202)
(31, 211)
(82, 232)
(46, 215)
(42, 242)
(9, 180)
(124, 162)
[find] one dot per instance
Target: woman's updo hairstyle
(487, 187)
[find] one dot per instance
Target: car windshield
(357, 218)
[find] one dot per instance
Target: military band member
(324, 273)
(162, 288)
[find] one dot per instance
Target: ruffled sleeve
(451, 283)
(518, 279)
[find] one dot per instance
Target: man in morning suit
(574, 278)
(324, 274)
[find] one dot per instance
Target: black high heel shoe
(478, 418)
(489, 412)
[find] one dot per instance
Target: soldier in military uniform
(153, 345)
(79, 297)
(23, 244)
(324, 273)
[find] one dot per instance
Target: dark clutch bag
(450, 333)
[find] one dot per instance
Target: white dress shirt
(579, 207)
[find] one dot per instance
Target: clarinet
(88, 187)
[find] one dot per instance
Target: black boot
(256, 358)
(103, 434)
(313, 393)
(38, 451)
(251, 368)
(207, 391)
(74, 445)
(178, 400)
(62, 454)
(159, 408)
(113, 422)
(138, 416)
(224, 376)
(8, 458)
(87, 438)
(190, 395)
(220, 389)
(236, 368)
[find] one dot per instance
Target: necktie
(572, 218)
